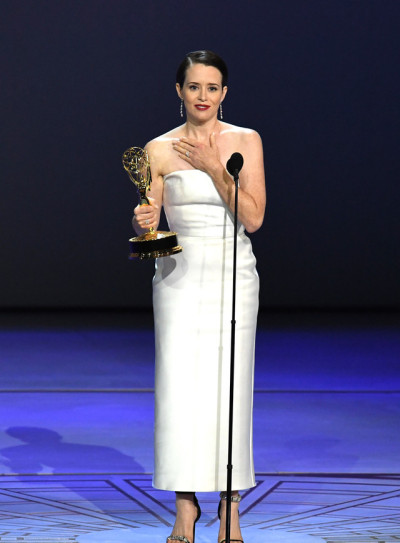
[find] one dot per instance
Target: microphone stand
(232, 371)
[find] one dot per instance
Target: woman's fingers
(145, 215)
(184, 145)
(146, 222)
(146, 209)
(188, 142)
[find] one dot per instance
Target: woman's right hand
(147, 216)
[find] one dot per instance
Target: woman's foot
(186, 515)
(235, 526)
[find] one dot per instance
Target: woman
(192, 296)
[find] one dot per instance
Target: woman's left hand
(199, 155)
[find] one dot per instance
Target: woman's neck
(201, 132)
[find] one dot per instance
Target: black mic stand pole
(232, 376)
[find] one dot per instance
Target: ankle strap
(237, 498)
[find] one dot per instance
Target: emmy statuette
(154, 243)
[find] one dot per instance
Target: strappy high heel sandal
(236, 499)
(181, 537)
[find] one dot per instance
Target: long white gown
(192, 297)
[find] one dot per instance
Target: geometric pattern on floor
(321, 508)
(336, 509)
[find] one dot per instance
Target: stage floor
(76, 409)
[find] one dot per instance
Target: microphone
(235, 164)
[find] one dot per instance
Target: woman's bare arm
(150, 213)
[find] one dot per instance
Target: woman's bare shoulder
(166, 138)
(160, 149)
(239, 131)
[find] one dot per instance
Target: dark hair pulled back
(208, 58)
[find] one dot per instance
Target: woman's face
(202, 91)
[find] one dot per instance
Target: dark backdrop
(83, 80)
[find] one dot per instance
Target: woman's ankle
(187, 496)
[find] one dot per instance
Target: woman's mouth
(201, 107)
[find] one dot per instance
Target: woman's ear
(178, 90)
(224, 91)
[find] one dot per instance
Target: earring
(181, 108)
(220, 112)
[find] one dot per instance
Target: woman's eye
(213, 89)
(192, 87)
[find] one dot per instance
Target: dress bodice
(193, 206)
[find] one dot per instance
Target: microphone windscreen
(235, 163)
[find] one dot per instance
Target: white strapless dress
(192, 296)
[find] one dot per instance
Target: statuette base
(154, 245)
